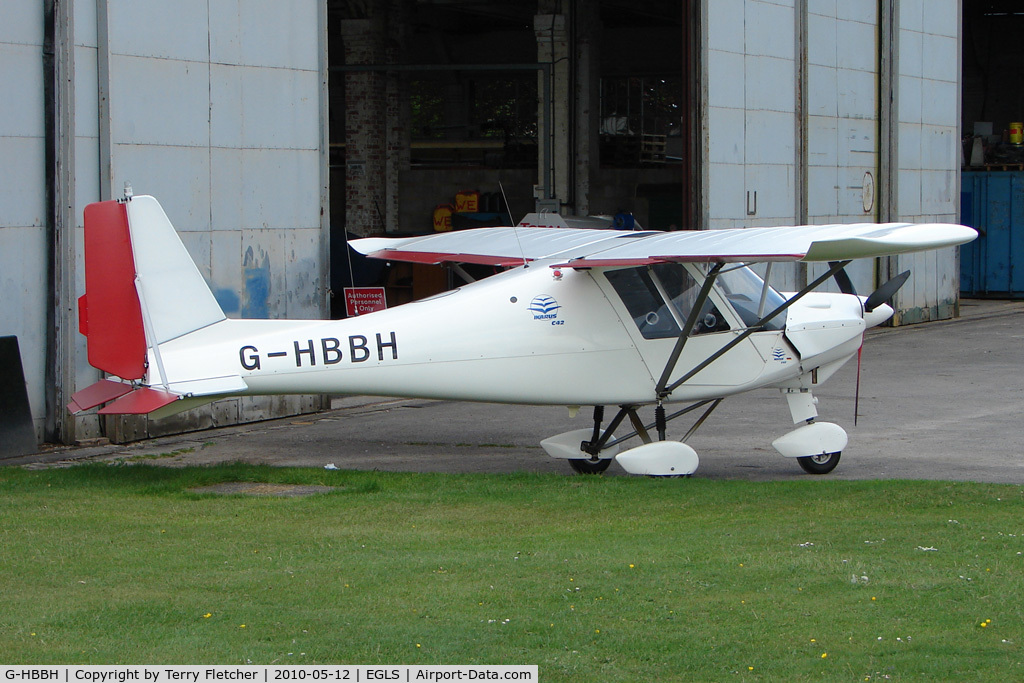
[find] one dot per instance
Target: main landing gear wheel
(584, 466)
(819, 464)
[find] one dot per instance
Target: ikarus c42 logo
(545, 307)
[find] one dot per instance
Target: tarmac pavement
(942, 400)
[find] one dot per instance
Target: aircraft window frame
(660, 297)
(743, 289)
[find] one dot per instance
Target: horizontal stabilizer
(96, 394)
(231, 384)
(139, 402)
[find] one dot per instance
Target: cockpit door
(655, 304)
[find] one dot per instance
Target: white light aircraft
(579, 317)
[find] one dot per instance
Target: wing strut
(664, 390)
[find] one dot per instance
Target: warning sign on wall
(362, 300)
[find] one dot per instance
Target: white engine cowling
(817, 438)
(660, 459)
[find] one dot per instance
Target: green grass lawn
(603, 579)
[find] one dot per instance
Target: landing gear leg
(816, 445)
(593, 465)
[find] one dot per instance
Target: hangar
(271, 130)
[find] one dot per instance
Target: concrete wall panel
(769, 84)
(87, 122)
(911, 98)
(823, 192)
(726, 195)
(152, 28)
(22, 23)
(939, 57)
(773, 184)
(278, 189)
(225, 268)
(179, 177)
(264, 33)
(939, 103)
(821, 39)
(302, 273)
(21, 107)
(85, 23)
(264, 266)
(765, 25)
(726, 81)
(863, 11)
(858, 94)
(727, 136)
(725, 30)
(823, 142)
(241, 116)
(159, 102)
(769, 137)
(823, 96)
(22, 181)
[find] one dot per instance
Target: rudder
(109, 314)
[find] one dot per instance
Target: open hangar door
(992, 176)
(581, 110)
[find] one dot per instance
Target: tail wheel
(819, 464)
(584, 466)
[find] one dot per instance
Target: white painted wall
(215, 108)
(752, 52)
(842, 119)
(751, 110)
(928, 152)
(23, 250)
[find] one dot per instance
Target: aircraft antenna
(515, 229)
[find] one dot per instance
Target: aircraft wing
(493, 246)
(585, 248)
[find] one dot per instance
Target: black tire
(584, 466)
(819, 464)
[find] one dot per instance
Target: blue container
(992, 202)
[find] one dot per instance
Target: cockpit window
(638, 289)
(743, 288)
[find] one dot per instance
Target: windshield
(743, 288)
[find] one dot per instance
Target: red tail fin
(109, 314)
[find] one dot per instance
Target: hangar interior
(476, 112)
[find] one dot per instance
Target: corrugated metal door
(993, 204)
